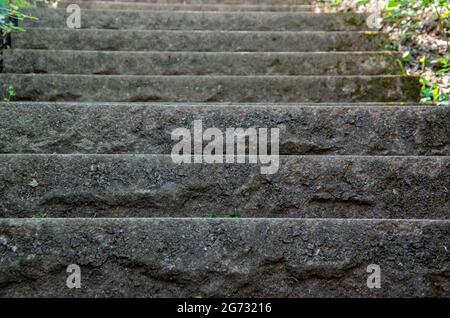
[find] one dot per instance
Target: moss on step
(275, 62)
(287, 89)
(342, 46)
(355, 19)
(410, 87)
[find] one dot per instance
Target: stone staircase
(86, 175)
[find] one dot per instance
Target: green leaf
(407, 57)
(235, 215)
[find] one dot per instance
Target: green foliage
(431, 94)
(390, 47)
(13, 9)
(336, 3)
(401, 66)
(404, 13)
(10, 93)
(442, 64)
(410, 7)
(423, 62)
(411, 17)
(401, 11)
(407, 56)
(39, 216)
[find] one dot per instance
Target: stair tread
(200, 63)
(175, 40)
(324, 129)
(134, 88)
(133, 185)
(201, 20)
(224, 258)
(115, 5)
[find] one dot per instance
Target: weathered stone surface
(393, 210)
(189, 20)
(152, 185)
(146, 128)
(131, 88)
(204, 41)
(238, 2)
(113, 5)
(200, 63)
(224, 258)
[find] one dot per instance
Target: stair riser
(211, 89)
(164, 63)
(162, 20)
(153, 186)
(304, 130)
(205, 41)
(136, 6)
(224, 258)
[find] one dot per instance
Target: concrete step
(155, 186)
(217, 41)
(224, 258)
(132, 88)
(221, 21)
(135, 6)
(336, 129)
(200, 63)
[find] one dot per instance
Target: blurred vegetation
(421, 30)
(12, 11)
